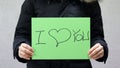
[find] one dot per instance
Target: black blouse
(58, 8)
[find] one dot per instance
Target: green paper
(58, 38)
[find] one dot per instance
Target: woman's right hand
(25, 51)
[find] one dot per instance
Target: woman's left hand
(96, 51)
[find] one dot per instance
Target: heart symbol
(61, 35)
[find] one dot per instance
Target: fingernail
(32, 54)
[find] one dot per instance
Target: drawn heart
(60, 36)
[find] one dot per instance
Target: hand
(25, 51)
(96, 51)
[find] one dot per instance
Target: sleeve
(97, 33)
(23, 28)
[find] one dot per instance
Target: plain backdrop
(9, 13)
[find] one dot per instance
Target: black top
(59, 8)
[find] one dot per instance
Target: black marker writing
(80, 36)
(39, 36)
(57, 40)
(59, 37)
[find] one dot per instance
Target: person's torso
(42, 8)
(67, 8)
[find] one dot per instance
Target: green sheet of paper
(60, 38)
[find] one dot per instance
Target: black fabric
(59, 64)
(53, 8)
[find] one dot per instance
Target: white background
(9, 13)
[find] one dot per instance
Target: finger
(24, 56)
(22, 49)
(21, 56)
(99, 55)
(96, 51)
(93, 48)
(27, 47)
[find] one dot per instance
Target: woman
(59, 8)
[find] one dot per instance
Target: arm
(97, 34)
(23, 29)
